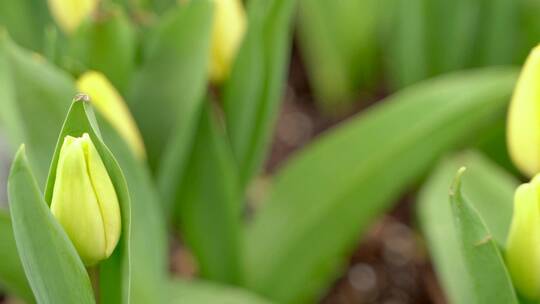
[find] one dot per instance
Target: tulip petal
(523, 246)
(75, 205)
(105, 193)
(523, 131)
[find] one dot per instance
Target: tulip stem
(93, 273)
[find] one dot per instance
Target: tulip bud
(227, 33)
(523, 127)
(84, 200)
(523, 244)
(69, 14)
(112, 106)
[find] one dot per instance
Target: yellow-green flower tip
(69, 14)
(523, 126)
(106, 99)
(84, 200)
(523, 244)
(227, 33)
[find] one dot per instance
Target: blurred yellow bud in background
(84, 200)
(227, 33)
(523, 126)
(523, 244)
(69, 14)
(112, 106)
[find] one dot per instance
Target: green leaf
(407, 38)
(327, 195)
(12, 277)
(252, 94)
(208, 203)
(115, 279)
(166, 93)
(25, 21)
(52, 266)
(489, 188)
(149, 254)
(338, 47)
(483, 261)
(34, 97)
(201, 292)
(107, 44)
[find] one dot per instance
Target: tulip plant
(138, 127)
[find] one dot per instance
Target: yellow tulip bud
(84, 200)
(523, 244)
(227, 33)
(523, 127)
(69, 14)
(112, 106)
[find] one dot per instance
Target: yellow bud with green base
(523, 244)
(84, 200)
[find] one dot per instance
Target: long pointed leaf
(53, 267)
(12, 276)
(484, 264)
(327, 195)
(491, 191)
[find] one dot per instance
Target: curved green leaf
(490, 190)
(166, 93)
(208, 203)
(12, 277)
(328, 194)
(53, 268)
(483, 261)
(252, 93)
(201, 292)
(115, 279)
(34, 98)
(149, 254)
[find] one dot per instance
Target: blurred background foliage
(211, 147)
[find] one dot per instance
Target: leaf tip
(456, 184)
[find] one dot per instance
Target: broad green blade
(115, 274)
(326, 196)
(149, 254)
(12, 277)
(407, 55)
(483, 261)
(252, 94)
(201, 292)
(167, 91)
(208, 203)
(106, 44)
(339, 46)
(52, 266)
(490, 190)
(25, 20)
(34, 98)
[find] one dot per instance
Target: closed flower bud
(69, 14)
(523, 244)
(84, 200)
(523, 128)
(112, 106)
(227, 33)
